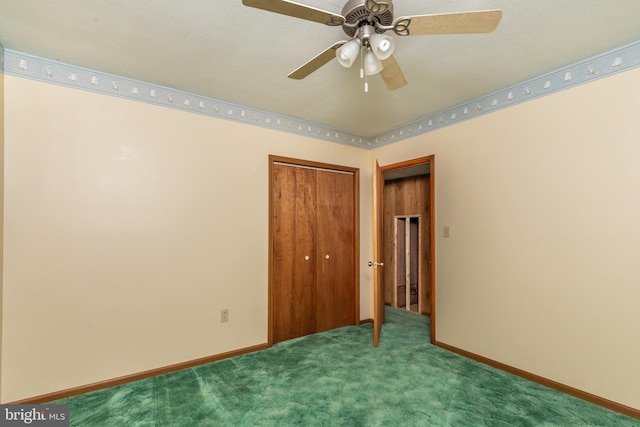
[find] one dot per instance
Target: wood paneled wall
(407, 196)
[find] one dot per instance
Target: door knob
(376, 264)
(306, 258)
(327, 256)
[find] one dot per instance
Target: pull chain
(362, 52)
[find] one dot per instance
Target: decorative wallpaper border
(41, 69)
(604, 65)
(28, 66)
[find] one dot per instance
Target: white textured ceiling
(224, 50)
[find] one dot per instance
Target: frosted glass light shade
(381, 46)
(372, 64)
(348, 52)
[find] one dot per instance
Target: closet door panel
(336, 257)
(294, 252)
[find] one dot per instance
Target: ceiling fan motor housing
(356, 13)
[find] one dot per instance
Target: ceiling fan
(365, 22)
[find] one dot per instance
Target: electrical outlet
(224, 315)
(447, 231)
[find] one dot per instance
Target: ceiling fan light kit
(348, 53)
(375, 47)
(365, 22)
(372, 64)
(382, 46)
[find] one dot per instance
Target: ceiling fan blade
(297, 10)
(484, 21)
(392, 74)
(317, 62)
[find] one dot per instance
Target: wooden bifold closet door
(313, 242)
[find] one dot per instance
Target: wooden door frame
(356, 235)
(378, 253)
(430, 160)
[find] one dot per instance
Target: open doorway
(407, 289)
(408, 236)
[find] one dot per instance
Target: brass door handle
(376, 264)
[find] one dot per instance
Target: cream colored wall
(127, 228)
(542, 270)
(1, 197)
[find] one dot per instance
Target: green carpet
(337, 378)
